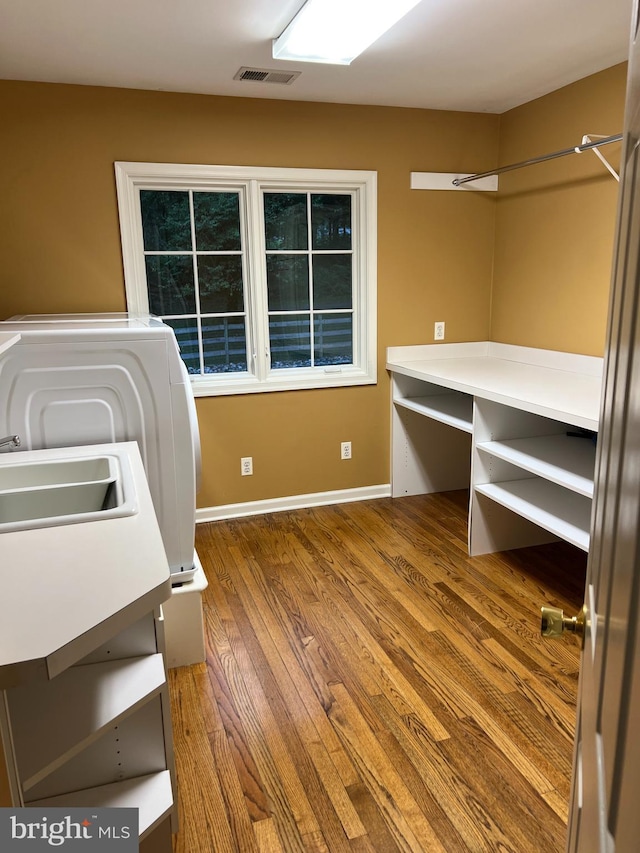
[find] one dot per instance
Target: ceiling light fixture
(336, 31)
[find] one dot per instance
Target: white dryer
(80, 379)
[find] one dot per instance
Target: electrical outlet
(438, 330)
(345, 450)
(246, 466)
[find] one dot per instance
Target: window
(267, 276)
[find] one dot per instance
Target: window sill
(205, 387)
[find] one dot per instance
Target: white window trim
(132, 177)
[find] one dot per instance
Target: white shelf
(152, 795)
(563, 513)
(562, 459)
(78, 705)
(455, 410)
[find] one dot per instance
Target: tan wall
(58, 219)
(555, 221)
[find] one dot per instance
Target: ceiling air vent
(266, 75)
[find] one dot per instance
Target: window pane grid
(183, 278)
(316, 325)
(220, 345)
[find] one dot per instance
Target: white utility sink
(47, 488)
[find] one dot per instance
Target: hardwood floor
(369, 687)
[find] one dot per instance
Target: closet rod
(576, 150)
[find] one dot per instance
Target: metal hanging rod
(578, 149)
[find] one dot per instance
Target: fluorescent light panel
(336, 31)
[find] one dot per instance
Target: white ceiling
(474, 55)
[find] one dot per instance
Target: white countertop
(562, 386)
(65, 590)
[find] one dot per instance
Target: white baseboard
(341, 496)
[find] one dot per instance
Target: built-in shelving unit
(531, 417)
(84, 706)
(98, 734)
(423, 415)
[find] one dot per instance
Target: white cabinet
(84, 705)
(515, 424)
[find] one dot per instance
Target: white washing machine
(80, 379)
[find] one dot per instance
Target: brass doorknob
(554, 623)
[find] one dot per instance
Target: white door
(605, 807)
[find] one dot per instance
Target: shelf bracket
(591, 137)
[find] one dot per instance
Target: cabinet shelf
(455, 409)
(563, 513)
(562, 459)
(79, 705)
(152, 795)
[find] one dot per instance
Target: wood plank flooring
(369, 687)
